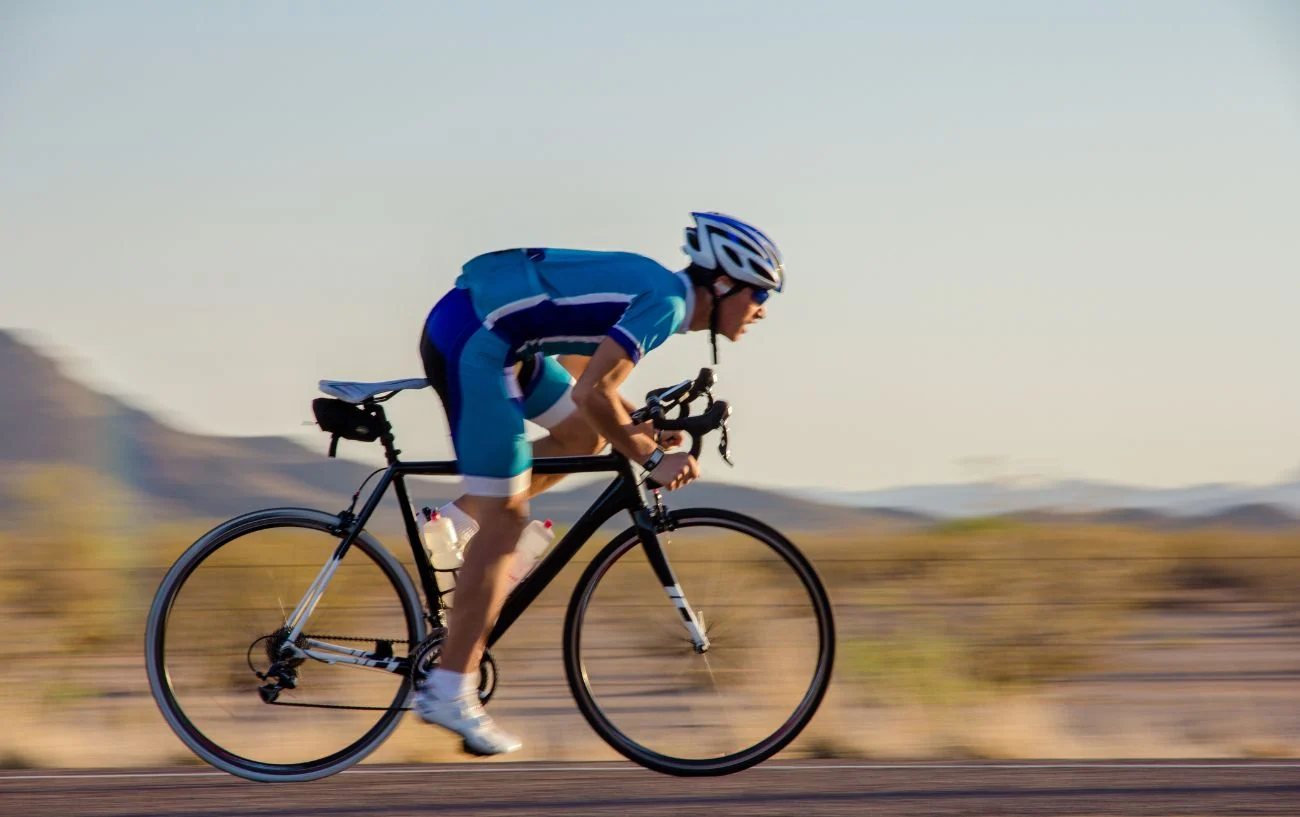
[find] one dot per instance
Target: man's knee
(576, 436)
(502, 513)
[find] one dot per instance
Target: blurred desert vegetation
(1122, 634)
(991, 637)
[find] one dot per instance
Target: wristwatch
(654, 460)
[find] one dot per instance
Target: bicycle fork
(664, 571)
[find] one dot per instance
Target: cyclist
(491, 348)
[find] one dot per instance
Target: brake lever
(703, 384)
(724, 447)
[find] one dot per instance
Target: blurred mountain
(50, 421)
(778, 509)
(53, 428)
(1257, 516)
(1072, 496)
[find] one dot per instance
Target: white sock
(463, 523)
(447, 684)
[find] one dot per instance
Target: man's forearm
(610, 414)
(575, 365)
(628, 406)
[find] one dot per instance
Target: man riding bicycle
(491, 349)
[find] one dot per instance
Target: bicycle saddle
(360, 392)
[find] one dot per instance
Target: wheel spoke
(734, 704)
(236, 588)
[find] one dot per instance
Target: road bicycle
(284, 644)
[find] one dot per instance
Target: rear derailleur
(285, 657)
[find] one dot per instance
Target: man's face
(738, 311)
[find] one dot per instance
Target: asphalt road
(777, 788)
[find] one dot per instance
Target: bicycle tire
(192, 560)
(783, 554)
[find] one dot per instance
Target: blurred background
(1028, 402)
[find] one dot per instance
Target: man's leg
(450, 697)
(465, 363)
(501, 521)
(548, 403)
(572, 437)
(482, 583)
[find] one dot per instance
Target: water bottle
(537, 537)
(440, 544)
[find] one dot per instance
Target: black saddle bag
(348, 421)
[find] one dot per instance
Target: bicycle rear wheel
(217, 620)
(642, 686)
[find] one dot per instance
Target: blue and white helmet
(728, 246)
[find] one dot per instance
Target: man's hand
(671, 439)
(676, 470)
(666, 439)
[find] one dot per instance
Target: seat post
(386, 437)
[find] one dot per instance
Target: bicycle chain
(324, 637)
(405, 641)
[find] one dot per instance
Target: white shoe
(465, 717)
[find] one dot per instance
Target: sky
(1023, 239)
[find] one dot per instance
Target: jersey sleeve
(649, 320)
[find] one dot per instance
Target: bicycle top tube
(581, 464)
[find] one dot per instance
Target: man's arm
(597, 396)
(577, 364)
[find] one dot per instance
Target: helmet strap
(713, 326)
(718, 298)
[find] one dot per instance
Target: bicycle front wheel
(634, 670)
(218, 620)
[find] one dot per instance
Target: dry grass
(963, 641)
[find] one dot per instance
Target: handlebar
(680, 396)
(698, 426)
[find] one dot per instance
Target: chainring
(425, 657)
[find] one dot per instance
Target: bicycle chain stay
(488, 670)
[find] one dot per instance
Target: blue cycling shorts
(487, 395)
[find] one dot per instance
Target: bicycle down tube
(621, 494)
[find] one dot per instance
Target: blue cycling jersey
(555, 301)
(525, 306)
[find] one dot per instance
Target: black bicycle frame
(623, 493)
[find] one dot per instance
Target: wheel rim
(661, 703)
(239, 589)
